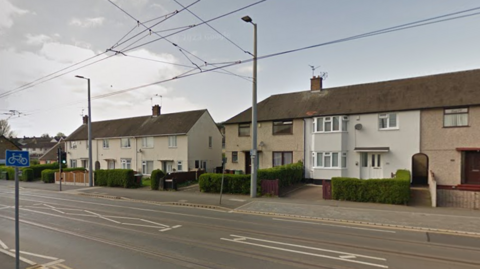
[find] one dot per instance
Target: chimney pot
(85, 119)
(156, 110)
(316, 83)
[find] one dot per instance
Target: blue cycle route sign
(17, 158)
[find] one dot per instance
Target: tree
(60, 134)
(5, 129)
(45, 135)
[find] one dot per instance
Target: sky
(45, 44)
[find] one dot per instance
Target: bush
(48, 175)
(156, 176)
(27, 174)
(388, 191)
(402, 174)
(116, 178)
(286, 174)
(210, 182)
(10, 173)
(37, 169)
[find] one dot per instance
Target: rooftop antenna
(83, 109)
(313, 69)
(156, 95)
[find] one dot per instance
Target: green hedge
(210, 182)
(155, 178)
(116, 178)
(27, 174)
(387, 191)
(286, 174)
(37, 169)
(402, 174)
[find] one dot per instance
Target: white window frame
(126, 163)
(457, 113)
(172, 141)
(73, 144)
(320, 124)
(147, 142)
(128, 142)
(73, 163)
(325, 160)
(145, 167)
(387, 117)
(179, 166)
(106, 144)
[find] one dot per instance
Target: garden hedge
(210, 182)
(27, 174)
(155, 178)
(286, 174)
(116, 178)
(387, 191)
(37, 169)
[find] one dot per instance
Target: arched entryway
(97, 165)
(420, 169)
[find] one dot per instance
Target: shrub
(286, 174)
(37, 169)
(116, 178)
(210, 182)
(388, 191)
(10, 173)
(402, 174)
(27, 174)
(156, 176)
(48, 176)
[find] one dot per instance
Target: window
(73, 144)
(85, 164)
(179, 166)
(125, 143)
(387, 121)
(330, 159)
(455, 117)
(126, 163)
(172, 141)
(282, 127)
(210, 142)
(147, 167)
(244, 129)
(330, 124)
(73, 163)
(111, 164)
(106, 144)
(364, 159)
(147, 142)
(86, 144)
(235, 157)
(282, 158)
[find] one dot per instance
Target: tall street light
(253, 153)
(90, 167)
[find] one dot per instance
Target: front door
(167, 167)
(420, 169)
(371, 165)
(472, 167)
(248, 163)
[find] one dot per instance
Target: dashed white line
(36, 255)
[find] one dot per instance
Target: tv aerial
(323, 75)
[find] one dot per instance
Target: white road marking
(102, 217)
(53, 263)
(306, 247)
(237, 200)
(166, 229)
(306, 253)
(63, 266)
(141, 225)
(348, 257)
(3, 245)
(334, 225)
(159, 224)
(176, 226)
(36, 255)
(5, 207)
(21, 258)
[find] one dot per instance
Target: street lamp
(90, 167)
(253, 153)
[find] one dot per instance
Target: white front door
(371, 165)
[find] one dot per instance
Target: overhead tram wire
(368, 34)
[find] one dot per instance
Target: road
(61, 230)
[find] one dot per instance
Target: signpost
(17, 158)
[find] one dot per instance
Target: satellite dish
(358, 126)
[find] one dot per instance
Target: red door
(472, 167)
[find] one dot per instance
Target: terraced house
(423, 124)
(172, 142)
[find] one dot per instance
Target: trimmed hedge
(155, 178)
(10, 171)
(27, 174)
(387, 191)
(210, 182)
(37, 169)
(286, 174)
(403, 174)
(116, 178)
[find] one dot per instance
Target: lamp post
(253, 153)
(90, 167)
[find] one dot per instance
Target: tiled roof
(51, 154)
(165, 124)
(6, 144)
(443, 90)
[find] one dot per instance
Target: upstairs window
(244, 129)
(282, 127)
(455, 117)
(125, 143)
(147, 142)
(330, 124)
(106, 144)
(387, 121)
(73, 144)
(172, 141)
(210, 142)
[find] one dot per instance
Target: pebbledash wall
(441, 146)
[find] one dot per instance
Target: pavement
(303, 202)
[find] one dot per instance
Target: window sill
(147, 148)
(283, 134)
(332, 132)
(172, 147)
(463, 126)
(125, 148)
(389, 129)
(329, 168)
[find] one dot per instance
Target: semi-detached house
(172, 142)
(422, 124)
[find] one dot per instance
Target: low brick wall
(458, 198)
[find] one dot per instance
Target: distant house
(51, 156)
(172, 142)
(36, 146)
(6, 144)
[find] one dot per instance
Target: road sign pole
(60, 166)
(17, 226)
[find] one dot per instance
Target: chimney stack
(156, 110)
(316, 83)
(85, 119)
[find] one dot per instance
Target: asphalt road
(66, 231)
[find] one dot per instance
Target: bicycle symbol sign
(17, 158)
